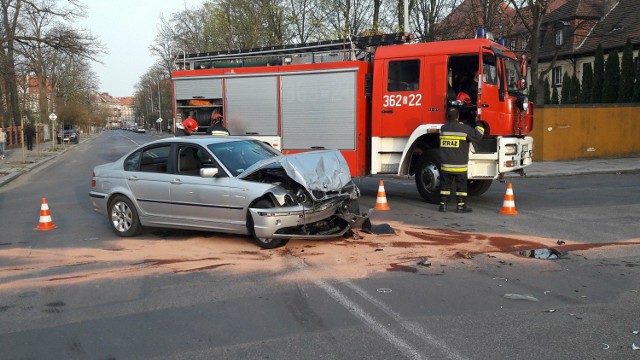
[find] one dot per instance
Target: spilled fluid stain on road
(182, 254)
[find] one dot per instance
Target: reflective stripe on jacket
(454, 145)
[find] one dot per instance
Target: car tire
(123, 217)
(265, 243)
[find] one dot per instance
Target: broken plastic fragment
(548, 253)
(605, 346)
(635, 347)
(520, 297)
(384, 290)
(551, 310)
(499, 278)
(424, 261)
(636, 332)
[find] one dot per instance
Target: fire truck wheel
(265, 243)
(428, 176)
(478, 187)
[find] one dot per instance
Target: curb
(15, 174)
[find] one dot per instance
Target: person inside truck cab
(471, 88)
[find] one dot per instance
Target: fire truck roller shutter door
(252, 105)
(319, 110)
(207, 88)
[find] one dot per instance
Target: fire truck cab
(419, 82)
(380, 100)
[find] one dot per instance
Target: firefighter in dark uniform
(217, 128)
(454, 147)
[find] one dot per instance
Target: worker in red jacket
(454, 149)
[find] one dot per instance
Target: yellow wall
(585, 131)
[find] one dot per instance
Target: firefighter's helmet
(216, 119)
(464, 98)
(190, 125)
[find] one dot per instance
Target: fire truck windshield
(513, 75)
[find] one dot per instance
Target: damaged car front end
(313, 197)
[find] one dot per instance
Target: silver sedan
(228, 184)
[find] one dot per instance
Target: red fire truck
(381, 100)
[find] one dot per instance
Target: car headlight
(510, 149)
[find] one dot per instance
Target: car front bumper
(267, 222)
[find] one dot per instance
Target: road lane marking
(410, 326)
(374, 325)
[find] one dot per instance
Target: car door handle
(132, 178)
(387, 111)
(485, 105)
(176, 181)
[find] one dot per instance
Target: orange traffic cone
(509, 204)
(381, 201)
(45, 217)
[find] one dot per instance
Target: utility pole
(406, 16)
(159, 109)
(150, 98)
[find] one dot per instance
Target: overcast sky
(127, 28)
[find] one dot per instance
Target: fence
(14, 135)
(569, 132)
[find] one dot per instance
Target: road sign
(53, 117)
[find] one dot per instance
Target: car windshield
(237, 156)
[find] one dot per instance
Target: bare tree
(32, 31)
(304, 21)
(531, 14)
(343, 18)
(427, 19)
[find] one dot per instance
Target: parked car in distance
(68, 134)
(141, 130)
(228, 184)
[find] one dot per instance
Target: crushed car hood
(325, 170)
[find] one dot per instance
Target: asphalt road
(79, 292)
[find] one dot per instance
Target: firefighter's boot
(443, 204)
(462, 207)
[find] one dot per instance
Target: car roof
(203, 140)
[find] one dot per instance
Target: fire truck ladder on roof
(239, 57)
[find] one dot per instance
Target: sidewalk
(581, 167)
(12, 166)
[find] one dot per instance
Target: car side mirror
(209, 172)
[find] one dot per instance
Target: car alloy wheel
(123, 217)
